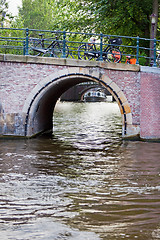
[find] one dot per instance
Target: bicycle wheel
(57, 50)
(158, 61)
(113, 55)
(86, 52)
(33, 44)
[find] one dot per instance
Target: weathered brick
(137, 91)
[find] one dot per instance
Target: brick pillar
(150, 103)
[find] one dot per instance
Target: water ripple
(84, 182)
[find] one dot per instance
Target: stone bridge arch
(39, 105)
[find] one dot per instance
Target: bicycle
(158, 59)
(53, 49)
(111, 53)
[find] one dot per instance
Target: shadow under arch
(39, 106)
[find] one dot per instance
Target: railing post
(154, 63)
(101, 47)
(137, 53)
(64, 45)
(24, 47)
(27, 40)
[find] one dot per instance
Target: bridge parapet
(67, 62)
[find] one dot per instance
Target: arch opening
(39, 114)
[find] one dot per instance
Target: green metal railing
(18, 41)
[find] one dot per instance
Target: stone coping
(148, 69)
(68, 62)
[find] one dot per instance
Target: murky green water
(83, 183)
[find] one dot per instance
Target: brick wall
(18, 79)
(129, 82)
(141, 87)
(150, 104)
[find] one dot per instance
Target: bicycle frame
(43, 49)
(54, 49)
(90, 51)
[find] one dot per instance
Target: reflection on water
(83, 183)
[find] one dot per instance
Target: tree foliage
(3, 11)
(35, 14)
(122, 17)
(3, 8)
(119, 17)
(54, 14)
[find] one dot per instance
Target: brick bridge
(31, 86)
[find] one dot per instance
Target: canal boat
(95, 96)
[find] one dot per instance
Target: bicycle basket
(115, 41)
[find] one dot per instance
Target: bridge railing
(24, 41)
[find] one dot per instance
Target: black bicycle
(48, 47)
(158, 59)
(111, 53)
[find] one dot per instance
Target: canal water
(82, 183)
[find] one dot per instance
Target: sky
(13, 6)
